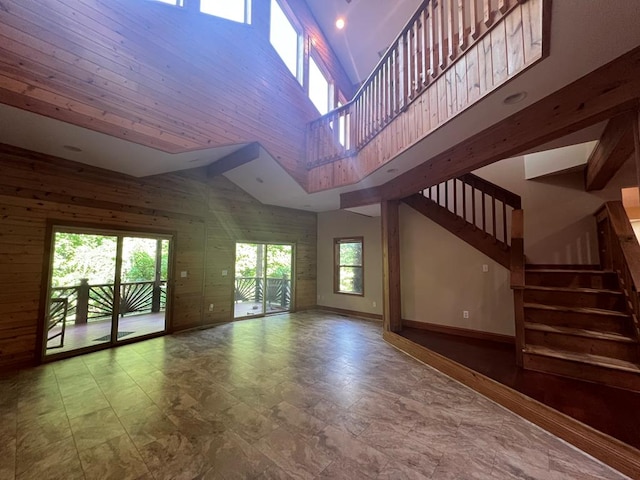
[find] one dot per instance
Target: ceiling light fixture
(515, 98)
(71, 148)
(340, 23)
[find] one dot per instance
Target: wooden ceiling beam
(602, 94)
(613, 150)
(244, 155)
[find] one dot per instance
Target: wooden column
(636, 142)
(518, 279)
(392, 314)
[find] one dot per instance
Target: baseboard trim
(350, 313)
(460, 332)
(607, 449)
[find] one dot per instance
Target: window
(349, 266)
(236, 10)
(285, 38)
(178, 3)
(319, 88)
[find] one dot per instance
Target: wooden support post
(392, 315)
(518, 279)
(82, 303)
(636, 142)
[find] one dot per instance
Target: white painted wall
(346, 224)
(441, 276)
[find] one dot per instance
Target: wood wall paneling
(208, 215)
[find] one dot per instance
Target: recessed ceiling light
(259, 180)
(515, 98)
(72, 148)
(340, 23)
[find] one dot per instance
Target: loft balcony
(448, 57)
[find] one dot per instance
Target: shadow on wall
(577, 243)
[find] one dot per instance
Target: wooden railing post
(518, 279)
(82, 304)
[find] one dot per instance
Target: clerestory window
(236, 10)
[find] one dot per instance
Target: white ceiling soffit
(557, 161)
(54, 137)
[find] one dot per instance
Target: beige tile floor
(302, 396)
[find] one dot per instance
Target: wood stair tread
(580, 332)
(565, 270)
(586, 358)
(573, 289)
(585, 310)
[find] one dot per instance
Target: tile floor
(303, 396)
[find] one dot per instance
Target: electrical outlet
(485, 268)
(211, 307)
(225, 273)
(465, 314)
(374, 304)
(183, 274)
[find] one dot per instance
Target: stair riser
(601, 323)
(605, 280)
(591, 373)
(572, 343)
(602, 300)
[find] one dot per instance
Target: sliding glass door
(104, 288)
(263, 279)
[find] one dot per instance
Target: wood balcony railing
(438, 34)
(621, 253)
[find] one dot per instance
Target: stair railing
(621, 252)
(482, 204)
(438, 33)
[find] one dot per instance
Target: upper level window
(285, 39)
(319, 88)
(349, 265)
(178, 3)
(236, 10)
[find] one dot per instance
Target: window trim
(337, 265)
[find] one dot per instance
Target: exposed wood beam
(604, 93)
(613, 149)
(239, 157)
(392, 314)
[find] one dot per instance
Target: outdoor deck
(98, 331)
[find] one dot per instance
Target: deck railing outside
(252, 289)
(96, 302)
(434, 38)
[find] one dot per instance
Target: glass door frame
(54, 227)
(264, 270)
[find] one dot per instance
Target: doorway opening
(104, 288)
(263, 279)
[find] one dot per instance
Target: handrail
(624, 256)
(435, 36)
(478, 202)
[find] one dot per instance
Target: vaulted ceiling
(584, 36)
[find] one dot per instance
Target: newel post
(518, 279)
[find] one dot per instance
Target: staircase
(576, 324)
(475, 210)
(570, 321)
